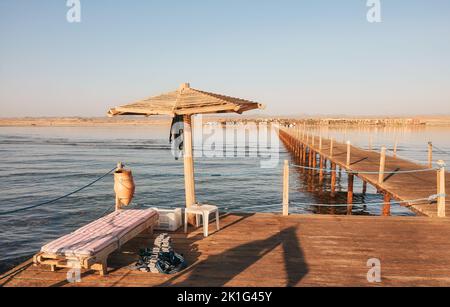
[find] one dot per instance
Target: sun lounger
(90, 246)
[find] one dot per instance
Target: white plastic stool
(204, 211)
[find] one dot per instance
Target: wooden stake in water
(351, 178)
(441, 189)
(387, 204)
(286, 188)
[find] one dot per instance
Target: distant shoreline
(81, 122)
(152, 121)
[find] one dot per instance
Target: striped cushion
(92, 238)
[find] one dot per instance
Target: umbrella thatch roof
(186, 101)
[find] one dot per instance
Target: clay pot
(124, 186)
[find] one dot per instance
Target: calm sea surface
(38, 164)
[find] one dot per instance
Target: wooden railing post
(314, 161)
(348, 153)
(321, 167)
(430, 154)
(320, 144)
(382, 164)
(310, 156)
(333, 179)
(286, 188)
(305, 147)
(441, 189)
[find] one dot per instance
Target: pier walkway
(274, 250)
(403, 180)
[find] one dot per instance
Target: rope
(269, 206)
(106, 211)
(59, 198)
(366, 172)
(441, 150)
(428, 199)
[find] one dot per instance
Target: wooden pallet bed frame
(97, 261)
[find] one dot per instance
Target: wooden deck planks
(298, 250)
(401, 186)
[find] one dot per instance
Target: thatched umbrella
(186, 102)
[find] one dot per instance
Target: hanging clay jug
(123, 186)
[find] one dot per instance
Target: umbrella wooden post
(189, 183)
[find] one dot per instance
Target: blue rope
(59, 198)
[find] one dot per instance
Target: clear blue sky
(310, 56)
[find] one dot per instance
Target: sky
(315, 57)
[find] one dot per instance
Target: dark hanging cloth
(176, 136)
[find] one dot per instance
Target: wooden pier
(273, 250)
(392, 176)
